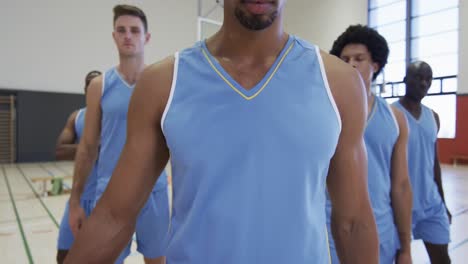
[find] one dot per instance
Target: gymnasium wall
(50, 45)
(463, 48)
(448, 148)
(40, 117)
(320, 22)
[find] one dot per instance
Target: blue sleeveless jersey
(421, 154)
(116, 94)
(250, 166)
(89, 191)
(380, 137)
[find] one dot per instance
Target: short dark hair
(129, 10)
(369, 37)
(90, 76)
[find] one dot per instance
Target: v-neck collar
(248, 94)
(122, 79)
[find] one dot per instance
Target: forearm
(84, 162)
(109, 228)
(438, 180)
(103, 237)
(66, 152)
(357, 240)
(402, 203)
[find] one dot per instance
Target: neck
(368, 85)
(130, 68)
(370, 99)
(410, 103)
(370, 103)
(370, 95)
(235, 41)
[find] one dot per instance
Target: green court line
(66, 173)
(460, 212)
(62, 169)
(18, 219)
(47, 170)
(458, 245)
(38, 197)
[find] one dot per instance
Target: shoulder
(400, 118)
(436, 117)
(433, 113)
(95, 86)
(340, 74)
(158, 76)
(97, 81)
(156, 82)
(399, 115)
(72, 118)
(74, 115)
(345, 83)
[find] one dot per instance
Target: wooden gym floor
(29, 220)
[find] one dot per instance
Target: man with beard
(258, 123)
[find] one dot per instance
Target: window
(389, 19)
(444, 105)
(420, 30)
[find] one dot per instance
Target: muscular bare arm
(401, 193)
(352, 221)
(87, 152)
(144, 157)
(66, 146)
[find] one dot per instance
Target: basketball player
(386, 138)
(257, 123)
(67, 144)
(105, 127)
(431, 218)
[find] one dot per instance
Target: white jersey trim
(103, 84)
(327, 86)
(173, 86)
(78, 116)
(393, 117)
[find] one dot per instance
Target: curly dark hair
(359, 34)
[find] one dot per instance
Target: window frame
(396, 85)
